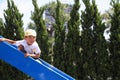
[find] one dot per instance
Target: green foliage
(42, 36)
(114, 46)
(12, 30)
(101, 55)
(58, 48)
(85, 55)
(72, 43)
(8, 72)
(94, 62)
(13, 22)
(86, 62)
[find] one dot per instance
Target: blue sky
(25, 7)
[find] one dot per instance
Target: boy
(28, 45)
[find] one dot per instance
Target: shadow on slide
(37, 69)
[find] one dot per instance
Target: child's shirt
(33, 49)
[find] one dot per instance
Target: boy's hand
(2, 39)
(27, 54)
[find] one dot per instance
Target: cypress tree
(114, 46)
(100, 53)
(72, 43)
(13, 22)
(42, 36)
(94, 62)
(13, 30)
(58, 48)
(87, 42)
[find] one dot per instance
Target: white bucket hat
(30, 32)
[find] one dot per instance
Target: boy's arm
(8, 40)
(32, 55)
(21, 48)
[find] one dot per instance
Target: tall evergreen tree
(13, 22)
(42, 36)
(13, 30)
(94, 64)
(87, 42)
(72, 44)
(100, 53)
(114, 46)
(58, 48)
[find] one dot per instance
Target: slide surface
(39, 70)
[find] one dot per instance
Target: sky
(25, 7)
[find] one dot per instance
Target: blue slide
(39, 70)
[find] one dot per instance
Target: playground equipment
(39, 70)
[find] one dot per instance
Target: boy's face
(30, 39)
